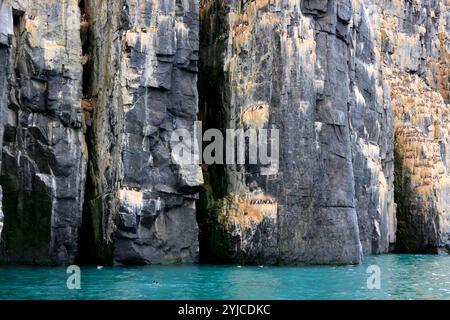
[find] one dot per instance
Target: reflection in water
(402, 277)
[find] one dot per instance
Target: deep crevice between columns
(87, 252)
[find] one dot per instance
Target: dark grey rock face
(314, 64)
(6, 31)
(372, 135)
(108, 82)
(340, 78)
(42, 173)
(143, 88)
(291, 58)
(162, 41)
(156, 190)
(91, 92)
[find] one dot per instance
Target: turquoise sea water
(402, 277)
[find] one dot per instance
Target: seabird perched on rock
(125, 16)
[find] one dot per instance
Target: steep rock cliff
(91, 95)
(141, 202)
(313, 64)
(414, 45)
(43, 161)
(334, 75)
(92, 91)
(5, 42)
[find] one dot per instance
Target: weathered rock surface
(323, 68)
(5, 42)
(300, 59)
(91, 96)
(42, 174)
(91, 92)
(414, 37)
(422, 177)
(141, 201)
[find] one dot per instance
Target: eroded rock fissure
(90, 231)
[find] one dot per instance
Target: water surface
(402, 277)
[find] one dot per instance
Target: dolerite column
(141, 203)
(157, 216)
(371, 127)
(43, 166)
(280, 65)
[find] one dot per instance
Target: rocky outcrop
(372, 135)
(422, 177)
(330, 73)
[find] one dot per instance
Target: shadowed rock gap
(87, 252)
(213, 239)
(417, 225)
(92, 248)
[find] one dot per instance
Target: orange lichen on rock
(443, 66)
(241, 30)
(86, 104)
(262, 3)
(255, 210)
(240, 27)
(84, 59)
(246, 212)
(84, 21)
(87, 108)
(31, 26)
(256, 115)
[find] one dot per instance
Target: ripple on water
(402, 277)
